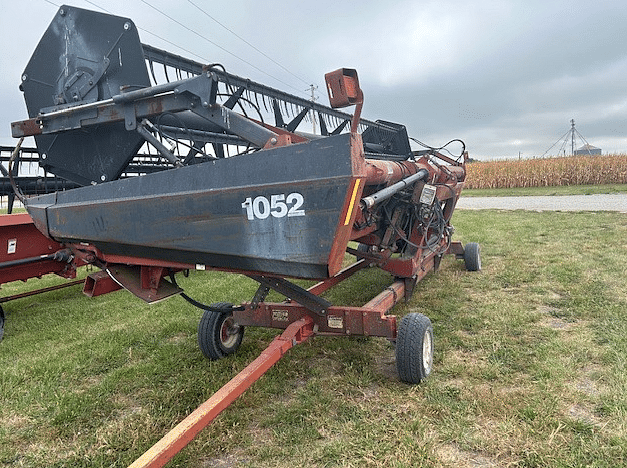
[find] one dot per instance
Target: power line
(217, 45)
(205, 38)
(248, 43)
(97, 6)
(148, 32)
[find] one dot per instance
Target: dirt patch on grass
(87, 384)
(452, 455)
(557, 323)
(14, 422)
(127, 405)
(178, 338)
(550, 318)
(385, 364)
(583, 414)
(225, 461)
(587, 385)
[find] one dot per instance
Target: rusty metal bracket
(145, 282)
(130, 117)
(260, 296)
(343, 88)
(310, 301)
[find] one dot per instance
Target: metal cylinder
(383, 172)
(387, 192)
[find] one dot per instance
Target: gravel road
(609, 202)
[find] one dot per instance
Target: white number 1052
(278, 206)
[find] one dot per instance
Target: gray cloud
(505, 76)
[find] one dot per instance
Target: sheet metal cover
(85, 56)
(273, 211)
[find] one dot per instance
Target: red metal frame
(368, 320)
(26, 253)
(299, 324)
(21, 241)
(175, 440)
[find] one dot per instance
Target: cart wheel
(218, 334)
(1, 323)
(472, 256)
(414, 348)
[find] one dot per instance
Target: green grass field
(530, 366)
(555, 190)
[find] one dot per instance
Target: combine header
(235, 181)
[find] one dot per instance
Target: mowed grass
(547, 191)
(530, 367)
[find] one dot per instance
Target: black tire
(218, 334)
(414, 348)
(1, 323)
(472, 256)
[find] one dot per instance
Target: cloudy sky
(505, 76)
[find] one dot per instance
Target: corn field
(545, 172)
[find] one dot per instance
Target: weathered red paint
(175, 440)
(25, 128)
(99, 283)
(19, 240)
(26, 253)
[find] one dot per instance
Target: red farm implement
(26, 253)
(224, 189)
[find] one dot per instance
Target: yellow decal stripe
(352, 203)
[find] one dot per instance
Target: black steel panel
(85, 56)
(199, 214)
(389, 139)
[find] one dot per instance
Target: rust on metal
(145, 282)
(99, 283)
(27, 127)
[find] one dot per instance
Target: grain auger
(231, 177)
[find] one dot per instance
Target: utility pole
(313, 88)
(571, 134)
